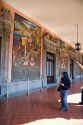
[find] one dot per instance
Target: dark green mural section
(26, 49)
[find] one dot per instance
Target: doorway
(72, 68)
(50, 68)
(0, 59)
(0, 51)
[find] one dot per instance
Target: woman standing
(64, 89)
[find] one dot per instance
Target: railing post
(7, 91)
(28, 84)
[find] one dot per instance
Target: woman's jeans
(63, 95)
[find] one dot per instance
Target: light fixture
(77, 48)
(77, 45)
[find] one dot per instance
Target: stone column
(57, 68)
(44, 68)
(6, 30)
(4, 59)
(10, 49)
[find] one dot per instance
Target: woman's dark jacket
(66, 83)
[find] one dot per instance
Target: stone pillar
(57, 68)
(44, 68)
(4, 59)
(6, 30)
(68, 66)
(10, 49)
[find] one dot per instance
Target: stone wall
(23, 73)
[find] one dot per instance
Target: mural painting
(27, 43)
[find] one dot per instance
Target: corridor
(40, 108)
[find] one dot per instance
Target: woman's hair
(66, 78)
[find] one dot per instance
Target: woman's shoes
(64, 110)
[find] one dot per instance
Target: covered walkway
(39, 108)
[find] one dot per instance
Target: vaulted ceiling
(58, 16)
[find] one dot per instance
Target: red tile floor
(40, 108)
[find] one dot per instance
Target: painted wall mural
(27, 43)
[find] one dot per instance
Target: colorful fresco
(27, 43)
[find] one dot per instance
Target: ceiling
(58, 16)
